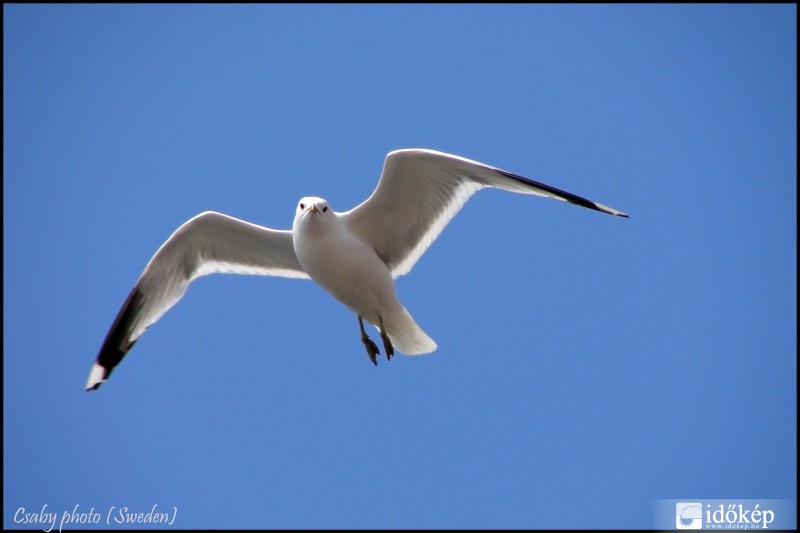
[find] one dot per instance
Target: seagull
(354, 255)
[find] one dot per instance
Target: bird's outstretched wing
(208, 243)
(420, 191)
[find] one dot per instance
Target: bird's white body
(351, 271)
(354, 255)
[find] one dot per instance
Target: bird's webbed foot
(387, 343)
(372, 348)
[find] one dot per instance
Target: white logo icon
(689, 515)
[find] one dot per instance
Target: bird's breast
(347, 268)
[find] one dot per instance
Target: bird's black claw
(372, 350)
(387, 345)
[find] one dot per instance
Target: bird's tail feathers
(407, 336)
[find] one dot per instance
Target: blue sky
(587, 365)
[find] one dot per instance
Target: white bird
(354, 255)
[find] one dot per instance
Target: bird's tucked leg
(387, 344)
(372, 348)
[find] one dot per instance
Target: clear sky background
(587, 364)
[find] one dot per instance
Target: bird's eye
(302, 205)
(325, 209)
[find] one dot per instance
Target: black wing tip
(564, 195)
(97, 376)
(597, 207)
(117, 342)
(105, 364)
(609, 210)
(583, 202)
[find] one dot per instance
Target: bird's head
(312, 210)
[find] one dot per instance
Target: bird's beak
(313, 208)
